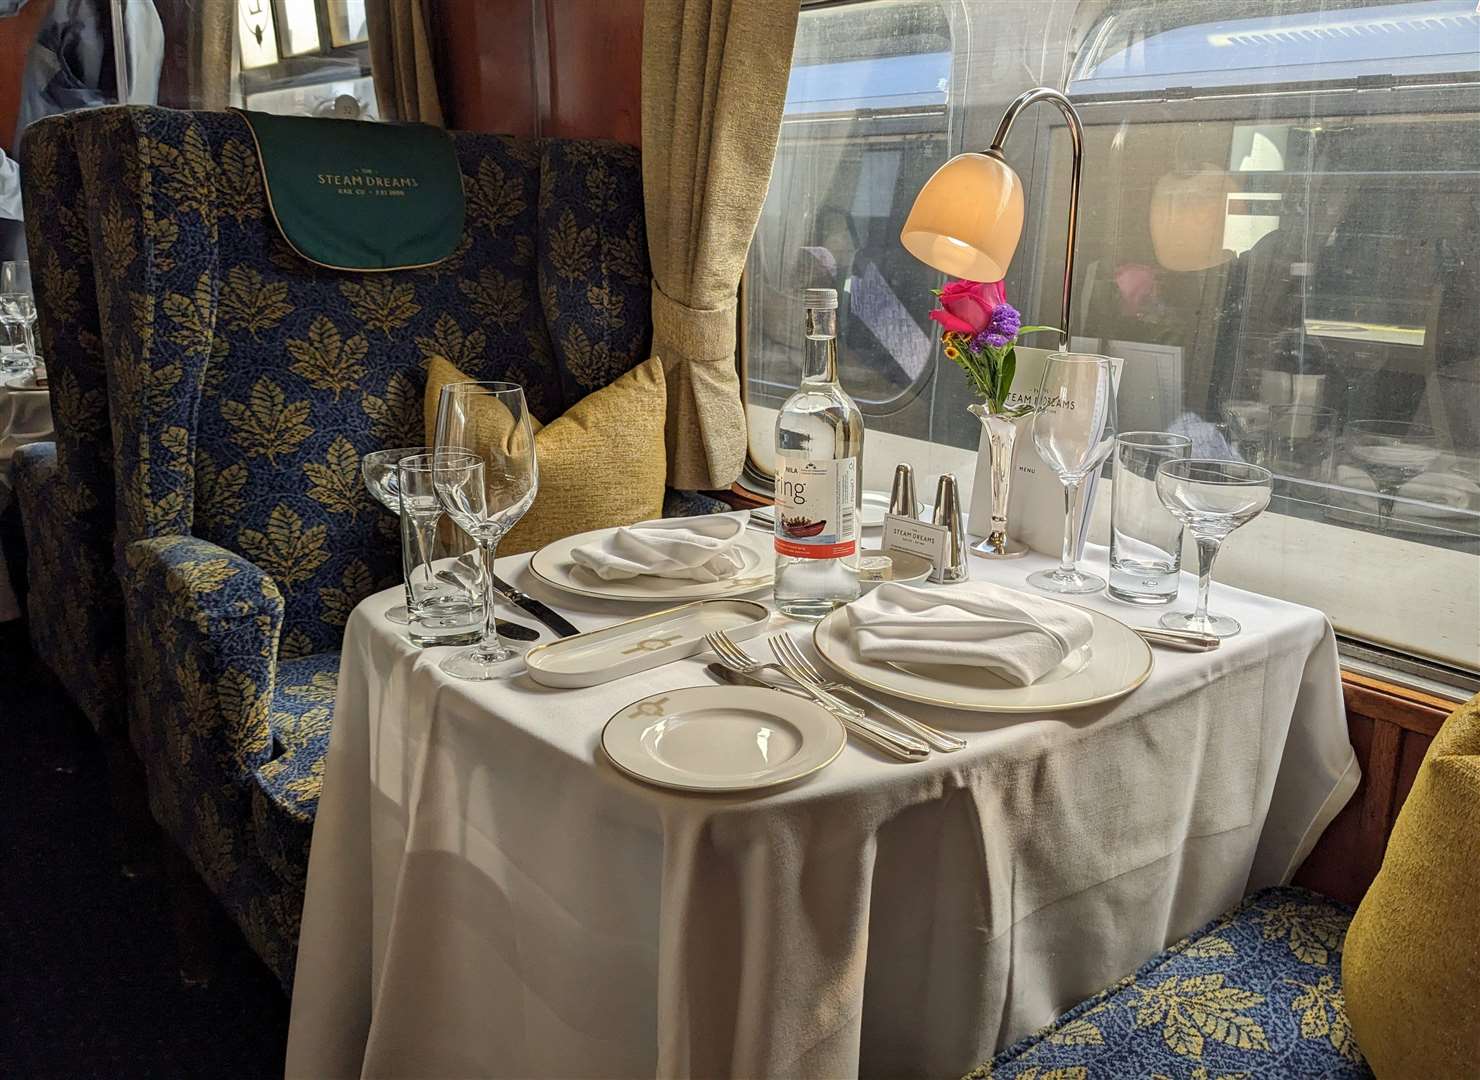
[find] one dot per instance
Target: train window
(1280, 233)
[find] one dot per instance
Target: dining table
(488, 896)
(25, 417)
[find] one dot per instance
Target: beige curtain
(713, 85)
(401, 60)
(211, 43)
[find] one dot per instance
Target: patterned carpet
(89, 980)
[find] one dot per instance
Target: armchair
(65, 488)
(244, 386)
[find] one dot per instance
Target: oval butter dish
(647, 641)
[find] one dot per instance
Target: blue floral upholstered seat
(244, 386)
(65, 488)
(1254, 995)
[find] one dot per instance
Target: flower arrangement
(979, 331)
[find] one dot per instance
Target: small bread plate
(904, 568)
(26, 382)
(722, 738)
(1114, 663)
(553, 565)
(647, 641)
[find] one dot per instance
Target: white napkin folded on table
(702, 548)
(976, 624)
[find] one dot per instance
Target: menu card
(1035, 508)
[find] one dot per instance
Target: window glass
(299, 22)
(347, 23)
(1279, 233)
(256, 33)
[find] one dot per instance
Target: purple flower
(1000, 330)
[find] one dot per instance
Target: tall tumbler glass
(443, 589)
(1145, 539)
(1302, 444)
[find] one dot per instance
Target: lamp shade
(1189, 212)
(967, 219)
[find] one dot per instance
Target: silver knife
(904, 747)
(530, 606)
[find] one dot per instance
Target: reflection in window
(256, 33)
(299, 23)
(347, 24)
(1288, 262)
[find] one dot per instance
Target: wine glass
(1212, 498)
(1074, 430)
(379, 470)
(18, 309)
(489, 420)
(1391, 452)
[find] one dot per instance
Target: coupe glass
(1392, 452)
(1211, 498)
(1074, 430)
(379, 470)
(489, 420)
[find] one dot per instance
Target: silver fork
(800, 668)
(735, 659)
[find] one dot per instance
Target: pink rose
(966, 307)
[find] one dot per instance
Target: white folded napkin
(701, 548)
(1019, 636)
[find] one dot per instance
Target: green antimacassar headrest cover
(355, 195)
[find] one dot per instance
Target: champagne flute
(379, 471)
(1391, 452)
(1074, 430)
(489, 420)
(1212, 498)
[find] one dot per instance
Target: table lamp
(968, 217)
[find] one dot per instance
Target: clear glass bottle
(819, 477)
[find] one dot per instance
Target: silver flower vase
(1002, 432)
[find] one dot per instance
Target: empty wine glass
(489, 420)
(1074, 430)
(1391, 452)
(379, 470)
(1211, 498)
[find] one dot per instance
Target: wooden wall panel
(1391, 730)
(595, 67)
(16, 35)
(567, 68)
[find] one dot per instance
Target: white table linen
(25, 417)
(487, 896)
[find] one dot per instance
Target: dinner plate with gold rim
(722, 738)
(553, 565)
(1114, 663)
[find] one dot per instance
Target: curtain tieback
(695, 333)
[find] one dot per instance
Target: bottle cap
(821, 299)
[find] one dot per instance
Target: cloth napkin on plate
(702, 548)
(975, 624)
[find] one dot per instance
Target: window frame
(1364, 96)
(303, 69)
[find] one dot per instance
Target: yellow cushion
(1411, 965)
(601, 464)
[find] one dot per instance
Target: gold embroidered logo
(367, 182)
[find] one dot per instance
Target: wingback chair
(245, 385)
(65, 488)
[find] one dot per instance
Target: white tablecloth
(25, 417)
(488, 897)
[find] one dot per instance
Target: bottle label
(816, 508)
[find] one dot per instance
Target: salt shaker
(948, 513)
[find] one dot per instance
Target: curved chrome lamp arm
(1076, 143)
